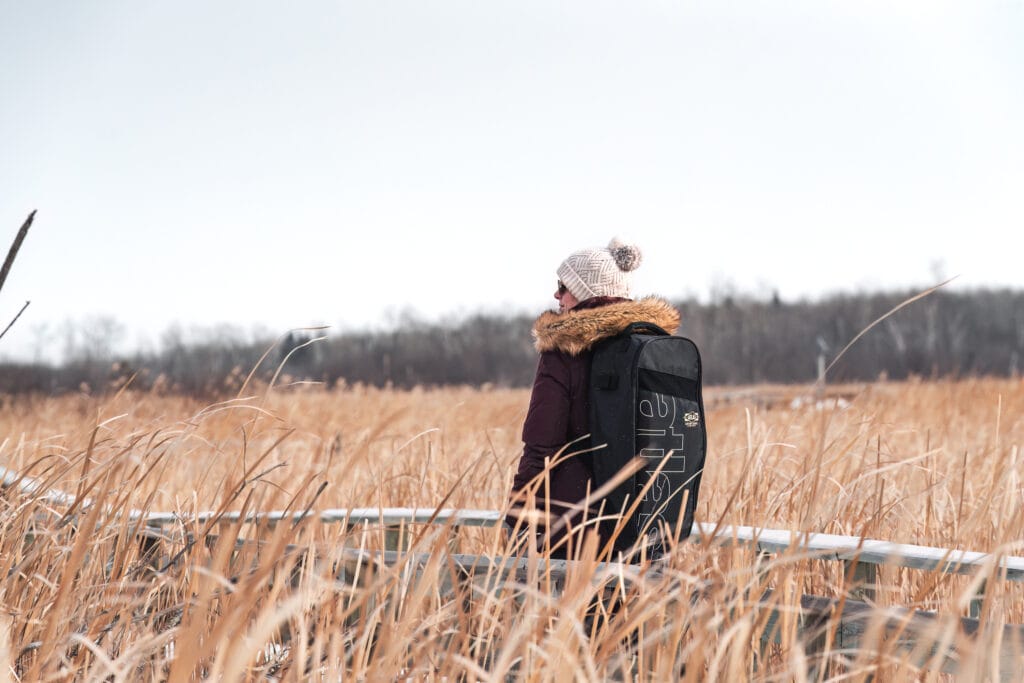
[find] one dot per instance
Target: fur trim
(578, 330)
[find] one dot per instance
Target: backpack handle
(646, 328)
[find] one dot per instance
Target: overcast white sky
(336, 162)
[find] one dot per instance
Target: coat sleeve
(546, 429)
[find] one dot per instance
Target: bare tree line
(743, 340)
(946, 334)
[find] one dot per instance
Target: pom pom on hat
(601, 272)
(627, 255)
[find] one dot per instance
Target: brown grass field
(927, 463)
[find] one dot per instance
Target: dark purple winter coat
(559, 405)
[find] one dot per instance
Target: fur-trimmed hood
(578, 330)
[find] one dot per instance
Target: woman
(594, 303)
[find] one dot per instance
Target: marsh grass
(928, 463)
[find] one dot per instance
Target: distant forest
(742, 341)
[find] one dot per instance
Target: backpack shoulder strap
(645, 328)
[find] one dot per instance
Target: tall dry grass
(930, 463)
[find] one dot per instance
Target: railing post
(771, 629)
(396, 537)
(977, 602)
(814, 627)
(862, 578)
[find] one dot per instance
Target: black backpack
(645, 400)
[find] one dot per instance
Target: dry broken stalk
(12, 253)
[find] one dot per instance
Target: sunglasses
(562, 289)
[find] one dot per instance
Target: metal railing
(861, 556)
(851, 549)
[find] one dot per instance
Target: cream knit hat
(600, 272)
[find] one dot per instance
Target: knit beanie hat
(600, 272)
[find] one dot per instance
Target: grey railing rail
(852, 549)
(385, 516)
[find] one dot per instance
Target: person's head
(588, 273)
